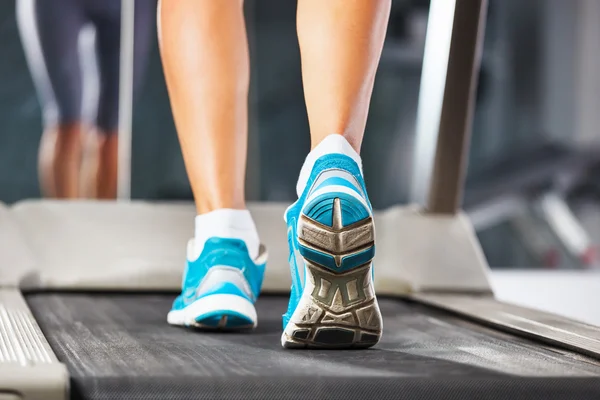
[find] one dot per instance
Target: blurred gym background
(533, 186)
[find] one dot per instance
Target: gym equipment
(530, 190)
(85, 287)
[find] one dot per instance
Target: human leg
(56, 32)
(106, 16)
(331, 226)
(340, 44)
(205, 57)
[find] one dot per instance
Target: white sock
(227, 223)
(332, 144)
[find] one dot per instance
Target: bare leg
(100, 166)
(89, 167)
(340, 43)
(46, 162)
(59, 161)
(106, 175)
(205, 56)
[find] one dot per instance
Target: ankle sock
(332, 144)
(226, 223)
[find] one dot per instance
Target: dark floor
(119, 346)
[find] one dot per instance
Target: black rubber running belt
(119, 346)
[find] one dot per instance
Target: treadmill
(85, 287)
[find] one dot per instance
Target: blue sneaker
(331, 237)
(220, 287)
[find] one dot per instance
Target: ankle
(355, 141)
(332, 144)
(226, 223)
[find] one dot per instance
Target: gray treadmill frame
(445, 114)
(447, 144)
(29, 369)
(430, 268)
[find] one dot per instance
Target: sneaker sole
(338, 308)
(216, 312)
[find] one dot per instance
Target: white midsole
(215, 302)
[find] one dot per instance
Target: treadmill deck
(120, 346)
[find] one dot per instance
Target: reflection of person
(51, 29)
(330, 227)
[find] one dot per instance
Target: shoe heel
(337, 232)
(338, 308)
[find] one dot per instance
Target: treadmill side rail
(552, 329)
(143, 247)
(29, 370)
(16, 258)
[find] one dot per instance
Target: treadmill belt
(119, 346)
